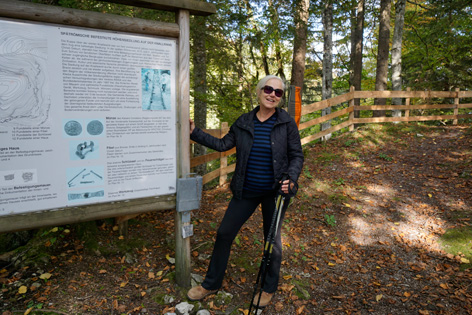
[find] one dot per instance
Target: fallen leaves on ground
(362, 236)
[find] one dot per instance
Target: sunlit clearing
(319, 185)
(416, 226)
(362, 231)
(381, 190)
(355, 164)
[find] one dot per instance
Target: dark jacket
(287, 153)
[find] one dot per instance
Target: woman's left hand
(285, 185)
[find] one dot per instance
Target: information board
(85, 116)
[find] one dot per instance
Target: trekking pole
(268, 246)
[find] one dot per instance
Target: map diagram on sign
(24, 86)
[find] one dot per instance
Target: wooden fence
(417, 105)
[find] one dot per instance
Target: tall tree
(265, 61)
(240, 45)
(327, 82)
(382, 54)
(357, 48)
(299, 43)
(199, 81)
(397, 53)
(229, 88)
(277, 42)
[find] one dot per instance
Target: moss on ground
(458, 242)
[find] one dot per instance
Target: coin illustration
(73, 128)
(95, 127)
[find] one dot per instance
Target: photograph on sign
(86, 116)
(156, 89)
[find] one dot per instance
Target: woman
(267, 145)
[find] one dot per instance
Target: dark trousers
(238, 212)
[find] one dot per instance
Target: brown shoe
(198, 293)
(265, 299)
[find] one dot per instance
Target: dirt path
(362, 237)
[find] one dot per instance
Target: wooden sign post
(182, 245)
(118, 203)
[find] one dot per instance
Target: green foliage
(237, 240)
(307, 173)
(349, 142)
(437, 45)
(256, 239)
(339, 182)
(326, 157)
(330, 220)
(385, 157)
(34, 305)
(337, 198)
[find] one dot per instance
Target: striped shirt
(259, 170)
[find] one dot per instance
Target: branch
(418, 4)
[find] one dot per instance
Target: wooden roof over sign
(193, 6)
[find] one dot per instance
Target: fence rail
(342, 113)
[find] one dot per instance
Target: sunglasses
(268, 90)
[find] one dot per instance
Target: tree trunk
(277, 43)
(357, 46)
(353, 19)
(280, 61)
(299, 42)
(382, 56)
(265, 61)
(397, 53)
(199, 83)
(239, 52)
(327, 85)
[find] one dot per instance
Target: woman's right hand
(192, 125)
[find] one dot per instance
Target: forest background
(323, 46)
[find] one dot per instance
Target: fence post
(456, 106)
(223, 158)
(407, 103)
(351, 114)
